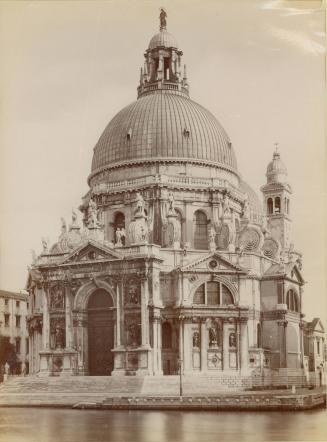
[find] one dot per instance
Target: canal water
(65, 425)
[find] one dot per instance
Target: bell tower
(276, 193)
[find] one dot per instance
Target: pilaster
(282, 324)
(244, 348)
(46, 319)
(225, 344)
(204, 345)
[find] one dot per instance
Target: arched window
(166, 335)
(213, 293)
(226, 296)
(200, 231)
(269, 206)
(119, 225)
(100, 299)
(277, 204)
(292, 301)
(259, 335)
(199, 295)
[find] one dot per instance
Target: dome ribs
(205, 141)
(169, 128)
(212, 151)
(190, 148)
(147, 128)
(179, 130)
(174, 124)
(156, 123)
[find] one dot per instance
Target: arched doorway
(101, 333)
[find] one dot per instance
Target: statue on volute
(140, 204)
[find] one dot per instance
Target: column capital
(181, 318)
(282, 322)
(243, 320)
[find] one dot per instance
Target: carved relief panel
(57, 297)
(132, 292)
(214, 360)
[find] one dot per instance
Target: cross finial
(276, 153)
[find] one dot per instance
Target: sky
(67, 67)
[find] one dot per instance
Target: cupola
(162, 68)
(276, 169)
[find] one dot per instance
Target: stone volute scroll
(250, 238)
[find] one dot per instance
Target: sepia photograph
(163, 221)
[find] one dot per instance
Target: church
(177, 265)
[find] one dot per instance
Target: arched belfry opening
(100, 311)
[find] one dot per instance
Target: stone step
(73, 384)
(147, 385)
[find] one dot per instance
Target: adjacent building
(13, 314)
(177, 264)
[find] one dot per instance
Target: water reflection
(51, 425)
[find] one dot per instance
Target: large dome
(164, 125)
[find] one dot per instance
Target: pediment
(213, 262)
(92, 251)
(289, 270)
(318, 326)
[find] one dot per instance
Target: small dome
(276, 170)
(254, 200)
(163, 39)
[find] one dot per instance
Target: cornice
(155, 160)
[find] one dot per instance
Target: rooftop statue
(171, 203)
(163, 21)
(63, 225)
(92, 214)
(139, 204)
(74, 219)
(45, 246)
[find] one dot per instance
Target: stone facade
(176, 265)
